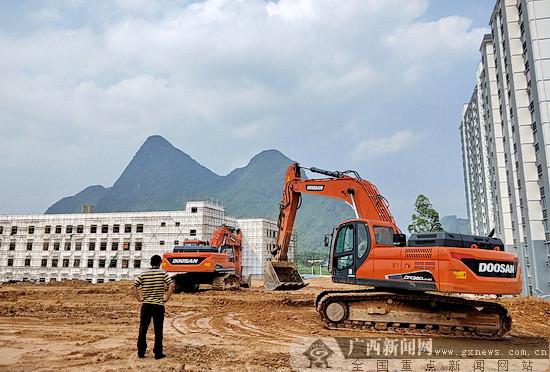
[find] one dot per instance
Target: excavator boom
(281, 274)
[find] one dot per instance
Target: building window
(80, 229)
(176, 242)
(76, 262)
(90, 263)
(116, 228)
(137, 264)
(31, 230)
(93, 229)
(126, 246)
(13, 230)
(45, 246)
(139, 228)
(65, 262)
(194, 209)
(67, 246)
(103, 246)
(54, 262)
(27, 262)
(58, 229)
(102, 263)
(114, 246)
(127, 228)
(1, 230)
(10, 262)
(91, 246)
(138, 246)
(78, 245)
(125, 264)
(47, 229)
(12, 246)
(162, 242)
(44, 262)
(29, 246)
(177, 223)
(193, 232)
(69, 229)
(100, 281)
(163, 224)
(56, 246)
(104, 229)
(112, 264)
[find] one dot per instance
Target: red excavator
(217, 262)
(406, 288)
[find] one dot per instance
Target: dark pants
(156, 312)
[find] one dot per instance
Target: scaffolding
(117, 250)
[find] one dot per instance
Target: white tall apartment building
(101, 247)
(508, 117)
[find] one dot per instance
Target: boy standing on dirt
(156, 289)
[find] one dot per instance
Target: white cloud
(380, 147)
(271, 73)
(44, 15)
(247, 131)
(429, 46)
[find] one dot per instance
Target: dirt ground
(77, 326)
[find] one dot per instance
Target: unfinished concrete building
(100, 247)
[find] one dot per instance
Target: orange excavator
(217, 262)
(406, 288)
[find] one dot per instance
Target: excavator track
(412, 313)
(226, 282)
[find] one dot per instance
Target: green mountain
(72, 204)
(162, 177)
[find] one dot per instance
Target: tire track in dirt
(236, 326)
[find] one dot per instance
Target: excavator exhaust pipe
(282, 276)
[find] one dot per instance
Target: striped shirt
(152, 283)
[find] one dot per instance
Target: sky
(371, 85)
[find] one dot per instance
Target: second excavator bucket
(282, 275)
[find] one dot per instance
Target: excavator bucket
(282, 275)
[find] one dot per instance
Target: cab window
(229, 251)
(344, 241)
(383, 235)
(344, 262)
(362, 239)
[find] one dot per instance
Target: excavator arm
(226, 236)
(362, 196)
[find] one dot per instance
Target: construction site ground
(77, 326)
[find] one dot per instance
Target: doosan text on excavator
(405, 288)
